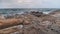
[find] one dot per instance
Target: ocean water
(20, 11)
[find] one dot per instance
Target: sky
(29, 3)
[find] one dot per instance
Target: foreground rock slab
(13, 29)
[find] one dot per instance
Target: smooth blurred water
(20, 11)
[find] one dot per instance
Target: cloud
(17, 3)
(29, 4)
(50, 4)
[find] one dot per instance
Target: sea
(10, 11)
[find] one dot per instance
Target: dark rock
(36, 13)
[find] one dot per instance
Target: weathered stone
(10, 22)
(32, 23)
(36, 13)
(55, 13)
(13, 29)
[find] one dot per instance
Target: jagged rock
(27, 20)
(41, 25)
(56, 27)
(46, 23)
(21, 19)
(37, 13)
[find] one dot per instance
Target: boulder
(37, 13)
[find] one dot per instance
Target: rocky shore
(33, 22)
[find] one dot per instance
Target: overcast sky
(29, 3)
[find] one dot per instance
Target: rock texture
(30, 23)
(55, 13)
(56, 26)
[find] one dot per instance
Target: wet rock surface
(30, 23)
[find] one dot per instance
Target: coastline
(46, 23)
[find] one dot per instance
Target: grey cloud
(34, 4)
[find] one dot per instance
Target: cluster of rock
(31, 23)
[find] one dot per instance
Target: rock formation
(55, 13)
(30, 23)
